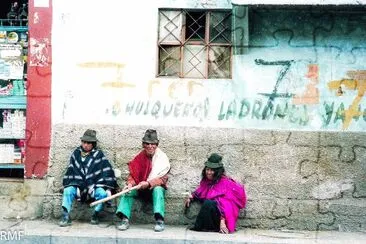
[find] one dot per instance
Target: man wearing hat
(148, 170)
(89, 175)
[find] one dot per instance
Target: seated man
(148, 171)
(89, 176)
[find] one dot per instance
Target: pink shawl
(229, 195)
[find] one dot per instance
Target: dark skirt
(208, 219)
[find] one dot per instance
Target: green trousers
(126, 201)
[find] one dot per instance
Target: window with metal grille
(195, 44)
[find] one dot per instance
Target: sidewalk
(42, 231)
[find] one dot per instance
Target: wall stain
(18, 200)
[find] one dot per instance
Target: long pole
(115, 195)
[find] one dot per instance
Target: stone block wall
(294, 180)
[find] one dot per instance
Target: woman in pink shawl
(221, 198)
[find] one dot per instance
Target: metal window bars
(194, 43)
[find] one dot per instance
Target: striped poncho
(95, 171)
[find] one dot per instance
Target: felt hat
(150, 136)
(214, 161)
(89, 136)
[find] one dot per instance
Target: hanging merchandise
(6, 153)
(6, 88)
(13, 77)
(12, 15)
(18, 87)
(21, 146)
(11, 61)
(23, 12)
(12, 37)
(24, 39)
(3, 36)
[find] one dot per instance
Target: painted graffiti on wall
(39, 53)
(118, 82)
(262, 110)
(274, 94)
(179, 109)
(188, 99)
(311, 93)
(357, 83)
(287, 73)
(172, 88)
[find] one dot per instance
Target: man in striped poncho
(89, 176)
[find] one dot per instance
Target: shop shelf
(13, 102)
(11, 166)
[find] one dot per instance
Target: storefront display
(13, 51)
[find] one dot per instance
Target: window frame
(181, 43)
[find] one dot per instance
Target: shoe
(159, 226)
(65, 220)
(94, 219)
(123, 225)
(193, 228)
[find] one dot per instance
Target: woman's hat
(89, 136)
(214, 161)
(150, 136)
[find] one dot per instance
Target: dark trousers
(208, 219)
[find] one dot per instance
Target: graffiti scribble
(150, 86)
(357, 82)
(283, 72)
(311, 94)
(118, 83)
(39, 53)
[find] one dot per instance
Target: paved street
(39, 231)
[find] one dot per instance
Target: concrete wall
(294, 180)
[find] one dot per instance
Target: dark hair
(146, 143)
(94, 143)
(218, 173)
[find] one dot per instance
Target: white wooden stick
(115, 195)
